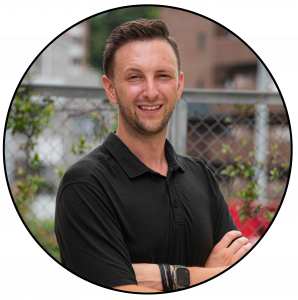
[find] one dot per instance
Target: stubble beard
(134, 123)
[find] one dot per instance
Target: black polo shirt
(112, 211)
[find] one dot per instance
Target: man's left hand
(224, 253)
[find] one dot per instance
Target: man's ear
(110, 89)
(180, 85)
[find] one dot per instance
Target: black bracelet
(169, 275)
(163, 278)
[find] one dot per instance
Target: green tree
(102, 26)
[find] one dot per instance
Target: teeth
(150, 107)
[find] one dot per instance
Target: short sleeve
(90, 237)
(223, 219)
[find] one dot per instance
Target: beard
(133, 122)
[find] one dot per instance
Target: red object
(253, 227)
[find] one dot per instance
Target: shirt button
(175, 204)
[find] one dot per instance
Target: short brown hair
(138, 30)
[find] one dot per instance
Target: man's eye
(163, 75)
(133, 77)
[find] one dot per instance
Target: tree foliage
(29, 116)
(101, 27)
(249, 169)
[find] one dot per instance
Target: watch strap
(178, 266)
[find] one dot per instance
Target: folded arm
(228, 251)
(149, 278)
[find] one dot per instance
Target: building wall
(65, 61)
(211, 56)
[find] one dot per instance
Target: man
(133, 202)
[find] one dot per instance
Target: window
(221, 31)
(200, 84)
(202, 41)
(77, 61)
(242, 76)
(77, 41)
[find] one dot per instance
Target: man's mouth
(150, 107)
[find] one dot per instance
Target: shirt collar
(132, 166)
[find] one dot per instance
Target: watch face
(183, 278)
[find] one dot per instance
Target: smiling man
(133, 202)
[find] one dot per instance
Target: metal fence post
(177, 128)
(261, 144)
(181, 126)
(9, 164)
(171, 128)
(261, 130)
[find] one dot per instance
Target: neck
(150, 150)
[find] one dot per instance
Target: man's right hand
(224, 253)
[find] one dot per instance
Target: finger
(241, 252)
(228, 238)
(238, 244)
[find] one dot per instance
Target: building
(65, 61)
(212, 57)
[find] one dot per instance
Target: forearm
(148, 275)
(199, 274)
(136, 288)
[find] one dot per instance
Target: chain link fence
(226, 129)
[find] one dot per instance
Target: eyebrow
(137, 70)
(132, 69)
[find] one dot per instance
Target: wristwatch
(181, 277)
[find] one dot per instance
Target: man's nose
(150, 89)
